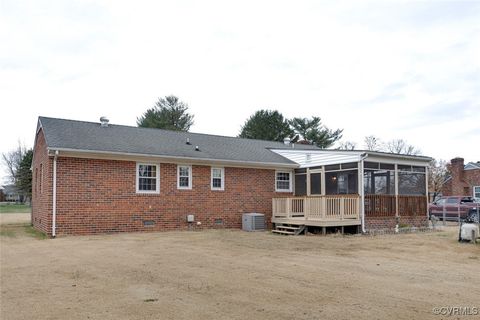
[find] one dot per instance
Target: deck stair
(293, 230)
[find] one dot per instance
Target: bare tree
(373, 143)
(347, 145)
(12, 160)
(400, 146)
(437, 173)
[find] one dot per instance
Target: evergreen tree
(266, 125)
(168, 113)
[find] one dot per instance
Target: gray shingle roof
(90, 136)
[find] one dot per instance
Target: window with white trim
(218, 179)
(184, 177)
(283, 181)
(476, 191)
(148, 178)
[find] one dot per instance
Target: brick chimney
(456, 168)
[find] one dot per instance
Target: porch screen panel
(341, 182)
(379, 182)
(316, 183)
(411, 183)
(300, 184)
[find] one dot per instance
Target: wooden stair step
(286, 227)
(283, 232)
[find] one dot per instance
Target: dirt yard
(235, 275)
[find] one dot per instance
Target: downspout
(54, 205)
(362, 191)
(427, 191)
(397, 216)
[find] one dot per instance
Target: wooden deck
(321, 211)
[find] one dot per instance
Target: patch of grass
(7, 233)
(150, 300)
(15, 208)
(442, 235)
(34, 233)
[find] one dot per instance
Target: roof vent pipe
(188, 141)
(197, 148)
(286, 141)
(104, 121)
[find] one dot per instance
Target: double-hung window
(184, 177)
(283, 181)
(148, 178)
(476, 191)
(218, 179)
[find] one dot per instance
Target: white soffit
(309, 158)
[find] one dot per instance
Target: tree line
(172, 114)
(18, 163)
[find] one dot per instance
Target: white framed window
(184, 177)
(476, 191)
(283, 181)
(218, 179)
(148, 178)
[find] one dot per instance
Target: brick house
(464, 179)
(100, 178)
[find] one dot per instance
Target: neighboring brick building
(464, 179)
(99, 178)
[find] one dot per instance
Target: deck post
(324, 230)
(323, 207)
(342, 208)
(306, 208)
(287, 208)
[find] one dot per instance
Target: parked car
(455, 207)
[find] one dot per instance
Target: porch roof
(314, 158)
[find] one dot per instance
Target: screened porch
(340, 194)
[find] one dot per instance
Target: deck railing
(384, 205)
(380, 205)
(412, 205)
(327, 208)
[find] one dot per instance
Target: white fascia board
(397, 160)
(109, 155)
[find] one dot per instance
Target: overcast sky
(393, 69)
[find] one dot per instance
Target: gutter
(54, 197)
(114, 155)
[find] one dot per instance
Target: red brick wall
(472, 178)
(390, 222)
(462, 181)
(447, 188)
(98, 196)
(42, 186)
